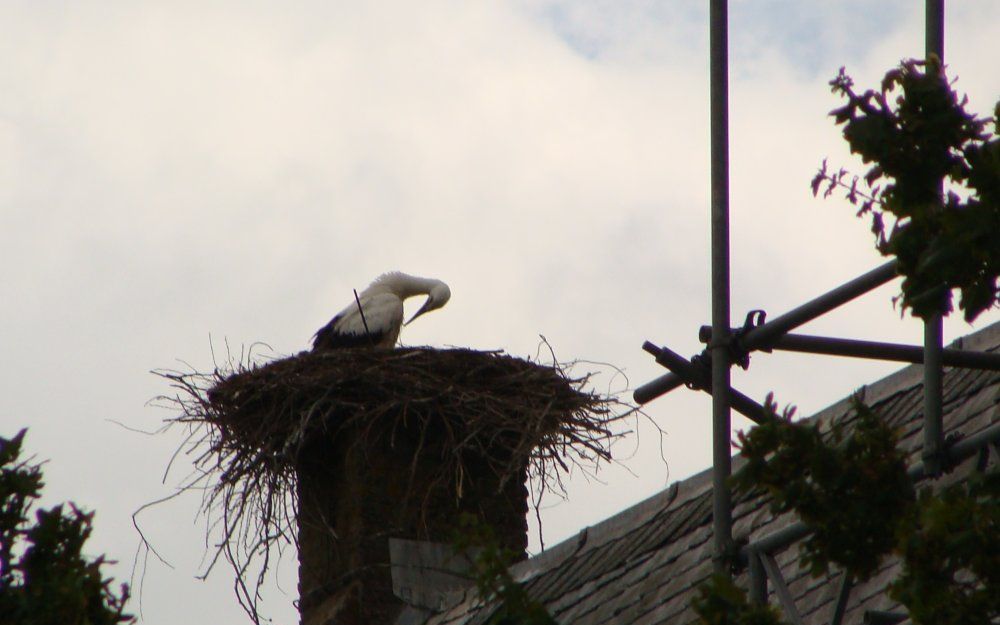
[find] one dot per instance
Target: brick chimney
(358, 490)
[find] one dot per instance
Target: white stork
(376, 316)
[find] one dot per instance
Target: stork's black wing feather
(328, 338)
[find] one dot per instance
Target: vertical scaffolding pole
(934, 28)
(933, 437)
(719, 92)
(933, 326)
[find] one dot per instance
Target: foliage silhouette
(827, 480)
(44, 577)
(933, 188)
(721, 602)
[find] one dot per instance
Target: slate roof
(641, 566)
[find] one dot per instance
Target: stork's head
(437, 296)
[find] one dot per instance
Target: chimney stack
(358, 491)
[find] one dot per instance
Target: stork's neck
(403, 285)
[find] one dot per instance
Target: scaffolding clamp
(738, 354)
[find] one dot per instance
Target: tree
(933, 188)
(44, 577)
(852, 489)
(932, 192)
(827, 480)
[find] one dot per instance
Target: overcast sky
(171, 172)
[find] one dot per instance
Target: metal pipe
(687, 372)
(761, 336)
(758, 579)
(843, 594)
(958, 451)
(785, 597)
(933, 333)
(970, 445)
(654, 388)
(933, 392)
(934, 28)
(777, 540)
(721, 432)
(879, 351)
(881, 617)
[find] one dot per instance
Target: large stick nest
(250, 422)
(483, 402)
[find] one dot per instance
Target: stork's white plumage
(375, 318)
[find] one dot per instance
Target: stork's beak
(428, 305)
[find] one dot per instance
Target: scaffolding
(726, 346)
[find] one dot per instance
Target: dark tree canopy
(44, 577)
(933, 186)
(827, 480)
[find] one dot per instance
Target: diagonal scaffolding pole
(761, 336)
(698, 378)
